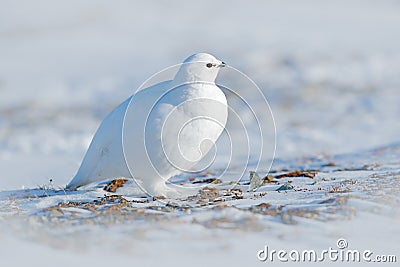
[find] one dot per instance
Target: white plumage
(160, 131)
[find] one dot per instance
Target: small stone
(285, 186)
(255, 181)
(268, 178)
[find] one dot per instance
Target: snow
(328, 70)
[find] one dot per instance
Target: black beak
(223, 64)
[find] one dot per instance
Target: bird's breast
(173, 130)
(193, 125)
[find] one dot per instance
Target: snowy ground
(223, 223)
(330, 72)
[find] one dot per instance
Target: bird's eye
(209, 65)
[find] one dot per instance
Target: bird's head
(200, 67)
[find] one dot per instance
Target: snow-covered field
(330, 72)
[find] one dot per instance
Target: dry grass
(297, 173)
(115, 184)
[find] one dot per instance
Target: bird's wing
(105, 156)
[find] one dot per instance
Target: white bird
(160, 131)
